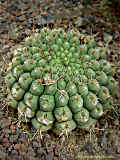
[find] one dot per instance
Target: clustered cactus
(60, 80)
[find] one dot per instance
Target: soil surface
(18, 19)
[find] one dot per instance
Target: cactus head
(61, 81)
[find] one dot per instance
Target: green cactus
(61, 81)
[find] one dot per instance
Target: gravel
(20, 142)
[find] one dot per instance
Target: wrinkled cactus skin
(60, 80)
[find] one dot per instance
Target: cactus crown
(60, 80)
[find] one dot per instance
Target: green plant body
(61, 81)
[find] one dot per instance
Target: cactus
(61, 81)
